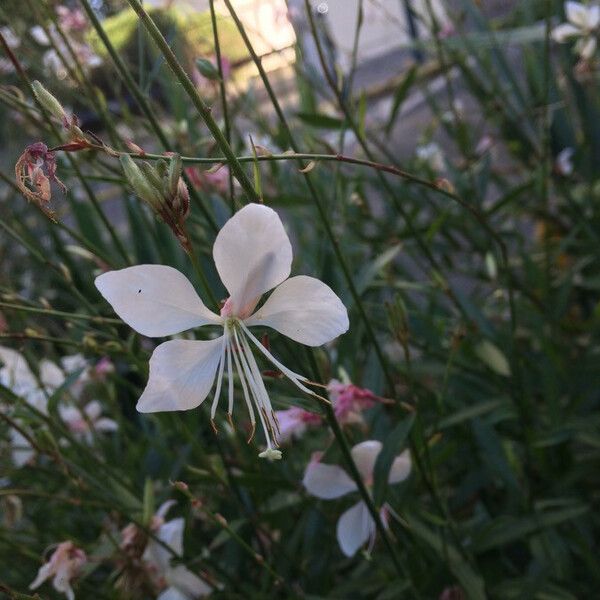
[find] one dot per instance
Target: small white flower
(356, 526)
(582, 23)
(181, 583)
(564, 161)
(64, 565)
(84, 421)
(432, 155)
(253, 255)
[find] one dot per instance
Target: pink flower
(356, 526)
(64, 565)
(71, 19)
(103, 367)
(350, 400)
(293, 422)
(210, 180)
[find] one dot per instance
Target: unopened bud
(48, 101)
(139, 182)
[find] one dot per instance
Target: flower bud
(140, 182)
(48, 101)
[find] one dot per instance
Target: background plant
(468, 260)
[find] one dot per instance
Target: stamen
(245, 390)
(215, 401)
(293, 377)
(254, 388)
(230, 381)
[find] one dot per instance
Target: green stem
(201, 106)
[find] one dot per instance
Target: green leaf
(400, 96)
(505, 529)
(322, 121)
(472, 583)
(392, 446)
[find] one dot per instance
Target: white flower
(356, 526)
(564, 161)
(432, 155)
(84, 421)
(253, 255)
(12, 40)
(64, 565)
(582, 22)
(181, 583)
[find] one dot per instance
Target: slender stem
(213, 18)
(48, 118)
(192, 92)
(60, 313)
(144, 105)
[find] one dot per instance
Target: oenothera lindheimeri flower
(356, 526)
(583, 21)
(349, 401)
(253, 255)
(64, 565)
(171, 582)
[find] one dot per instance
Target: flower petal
(51, 375)
(155, 300)
(400, 468)
(577, 13)
(586, 47)
(562, 33)
(593, 16)
(354, 528)
(181, 375)
(327, 481)
(252, 254)
(305, 310)
(15, 373)
(364, 455)
(190, 584)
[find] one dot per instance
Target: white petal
(364, 455)
(305, 310)
(155, 300)
(51, 375)
(400, 468)
(106, 424)
(586, 47)
(93, 410)
(44, 572)
(593, 17)
(327, 481)
(577, 13)
(252, 254)
(171, 534)
(185, 581)
(172, 593)
(21, 450)
(563, 32)
(181, 375)
(354, 528)
(15, 373)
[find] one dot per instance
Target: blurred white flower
(83, 422)
(356, 526)
(432, 155)
(582, 23)
(173, 582)
(64, 565)
(564, 162)
(12, 40)
(253, 255)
